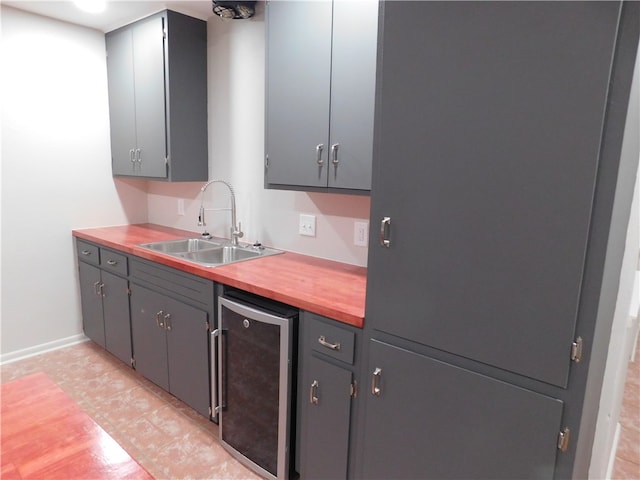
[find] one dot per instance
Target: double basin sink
(209, 253)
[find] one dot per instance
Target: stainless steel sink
(182, 245)
(209, 253)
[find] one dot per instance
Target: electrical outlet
(181, 206)
(361, 234)
(307, 225)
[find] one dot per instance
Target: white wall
(56, 173)
(624, 325)
(236, 153)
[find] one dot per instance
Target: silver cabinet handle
(323, 341)
(138, 155)
(85, 252)
(334, 153)
(112, 262)
(167, 325)
(375, 382)
(385, 226)
(97, 288)
(159, 323)
(132, 155)
(319, 149)
(313, 393)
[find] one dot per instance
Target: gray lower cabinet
(432, 420)
(326, 390)
(170, 331)
(495, 174)
(320, 68)
(104, 293)
(156, 70)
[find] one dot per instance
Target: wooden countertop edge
(232, 275)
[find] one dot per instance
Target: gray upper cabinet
(489, 133)
(157, 75)
(320, 69)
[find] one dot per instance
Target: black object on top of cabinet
(320, 74)
(157, 74)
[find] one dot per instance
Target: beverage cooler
(255, 378)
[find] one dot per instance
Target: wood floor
(170, 440)
(45, 434)
(166, 437)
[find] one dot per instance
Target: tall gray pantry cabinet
(495, 242)
(157, 77)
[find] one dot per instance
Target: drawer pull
(85, 252)
(112, 262)
(333, 346)
(313, 393)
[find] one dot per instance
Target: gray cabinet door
(353, 81)
(488, 134)
(298, 69)
(148, 336)
(188, 355)
(327, 408)
(92, 316)
(434, 420)
(117, 325)
(121, 101)
(149, 61)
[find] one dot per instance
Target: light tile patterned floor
(164, 435)
(171, 440)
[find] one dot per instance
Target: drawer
(174, 283)
(113, 262)
(88, 252)
(330, 339)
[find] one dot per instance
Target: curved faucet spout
(236, 231)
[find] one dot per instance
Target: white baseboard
(614, 451)
(42, 348)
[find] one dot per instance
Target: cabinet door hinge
(266, 161)
(353, 390)
(563, 439)
(133, 362)
(576, 350)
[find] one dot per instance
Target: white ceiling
(117, 13)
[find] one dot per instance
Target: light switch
(307, 225)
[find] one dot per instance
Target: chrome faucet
(236, 231)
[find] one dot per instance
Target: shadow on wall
(132, 193)
(336, 205)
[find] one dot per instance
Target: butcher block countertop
(332, 289)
